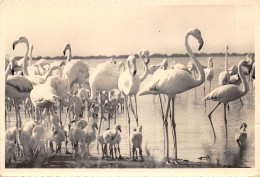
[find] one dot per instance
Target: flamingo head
(244, 63)
(172, 64)
(226, 47)
(21, 40)
(250, 59)
(66, 48)
(117, 127)
(144, 53)
(140, 128)
(112, 61)
(244, 125)
(197, 34)
(164, 64)
(210, 61)
(94, 125)
(131, 62)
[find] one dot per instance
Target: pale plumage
(109, 137)
(209, 73)
(90, 135)
(76, 71)
(175, 81)
(137, 139)
(227, 93)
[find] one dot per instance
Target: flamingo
(241, 136)
(47, 94)
(75, 71)
(175, 81)
(98, 83)
(224, 76)
(209, 73)
(18, 88)
(179, 66)
(129, 83)
(153, 68)
(227, 93)
(34, 79)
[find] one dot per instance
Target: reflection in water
(194, 133)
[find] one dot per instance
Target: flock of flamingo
(47, 88)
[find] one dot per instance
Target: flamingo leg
(131, 106)
(136, 111)
(163, 123)
(166, 129)
(153, 98)
(115, 113)
(241, 101)
(108, 111)
(225, 120)
(204, 89)
(16, 110)
(174, 129)
(60, 113)
(19, 116)
(211, 120)
(128, 116)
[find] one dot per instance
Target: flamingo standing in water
(227, 93)
(109, 71)
(129, 83)
(175, 81)
(209, 73)
(18, 87)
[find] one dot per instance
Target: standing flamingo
(175, 81)
(224, 76)
(209, 73)
(129, 83)
(76, 71)
(227, 93)
(18, 87)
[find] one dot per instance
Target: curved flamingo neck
(128, 67)
(201, 78)
(145, 73)
(30, 58)
(209, 63)
(46, 75)
(69, 56)
(7, 71)
(243, 79)
(25, 59)
(226, 61)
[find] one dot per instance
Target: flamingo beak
(119, 129)
(201, 42)
(134, 73)
(147, 60)
(14, 44)
(64, 51)
(96, 127)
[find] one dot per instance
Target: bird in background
(241, 136)
(227, 93)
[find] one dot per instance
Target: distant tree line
(155, 55)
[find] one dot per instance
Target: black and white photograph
(109, 84)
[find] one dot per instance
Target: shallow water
(194, 133)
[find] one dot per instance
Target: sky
(95, 28)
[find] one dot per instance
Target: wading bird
(227, 93)
(175, 81)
